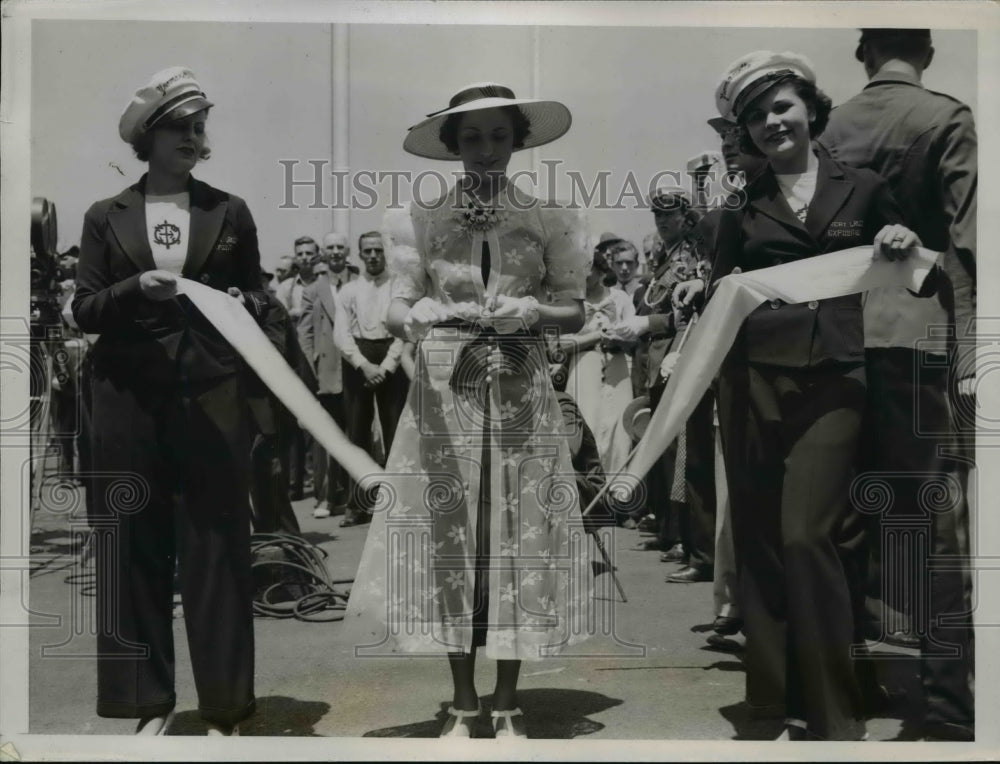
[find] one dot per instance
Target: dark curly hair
(602, 262)
(449, 128)
(814, 99)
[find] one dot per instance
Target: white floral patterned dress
(415, 591)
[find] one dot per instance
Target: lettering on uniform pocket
(227, 244)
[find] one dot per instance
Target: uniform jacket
(848, 208)
(682, 263)
(319, 311)
(145, 341)
(924, 144)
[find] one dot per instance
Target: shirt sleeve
(406, 268)
(567, 257)
(342, 337)
(391, 361)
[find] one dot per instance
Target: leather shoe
(905, 639)
(647, 546)
(726, 625)
(674, 554)
(689, 576)
(647, 524)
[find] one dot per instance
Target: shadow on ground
(897, 673)
(553, 714)
(277, 715)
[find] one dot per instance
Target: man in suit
(316, 337)
(924, 144)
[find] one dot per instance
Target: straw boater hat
(549, 119)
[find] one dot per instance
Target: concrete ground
(650, 676)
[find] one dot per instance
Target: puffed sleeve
(406, 267)
(567, 256)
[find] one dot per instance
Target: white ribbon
(237, 326)
(848, 271)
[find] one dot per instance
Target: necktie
(485, 263)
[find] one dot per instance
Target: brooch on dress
(474, 217)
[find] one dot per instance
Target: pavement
(649, 674)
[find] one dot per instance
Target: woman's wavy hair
(449, 128)
(814, 99)
(143, 145)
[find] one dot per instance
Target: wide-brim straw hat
(549, 119)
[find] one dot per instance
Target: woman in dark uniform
(791, 398)
(170, 437)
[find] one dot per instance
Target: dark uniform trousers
(789, 438)
(152, 440)
(360, 403)
(908, 447)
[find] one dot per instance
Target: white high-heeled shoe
(460, 723)
(155, 725)
(215, 730)
(504, 726)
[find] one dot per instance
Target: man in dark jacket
(924, 144)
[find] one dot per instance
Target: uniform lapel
(128, 221)
(832, 191)
(208, 211)
(325, 288)
(769, 200)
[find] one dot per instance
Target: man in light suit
(315, 330)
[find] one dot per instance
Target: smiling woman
(791, 396)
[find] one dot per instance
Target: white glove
(422, 316)
(507, 315)
(668, 363)
(427, 311)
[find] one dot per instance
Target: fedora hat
(636, 416)
(549, 119)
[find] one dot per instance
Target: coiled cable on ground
(292, 581)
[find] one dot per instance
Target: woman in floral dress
(477, 539)
(598, 373)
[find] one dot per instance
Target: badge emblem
(166, 234)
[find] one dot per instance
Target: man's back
(924, 144)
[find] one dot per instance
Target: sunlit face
(373, 255)
(335, 251)
(485, 143)
(305, 256)
(669, 224)
(177, 145)
(778, 123)
(625, 264)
